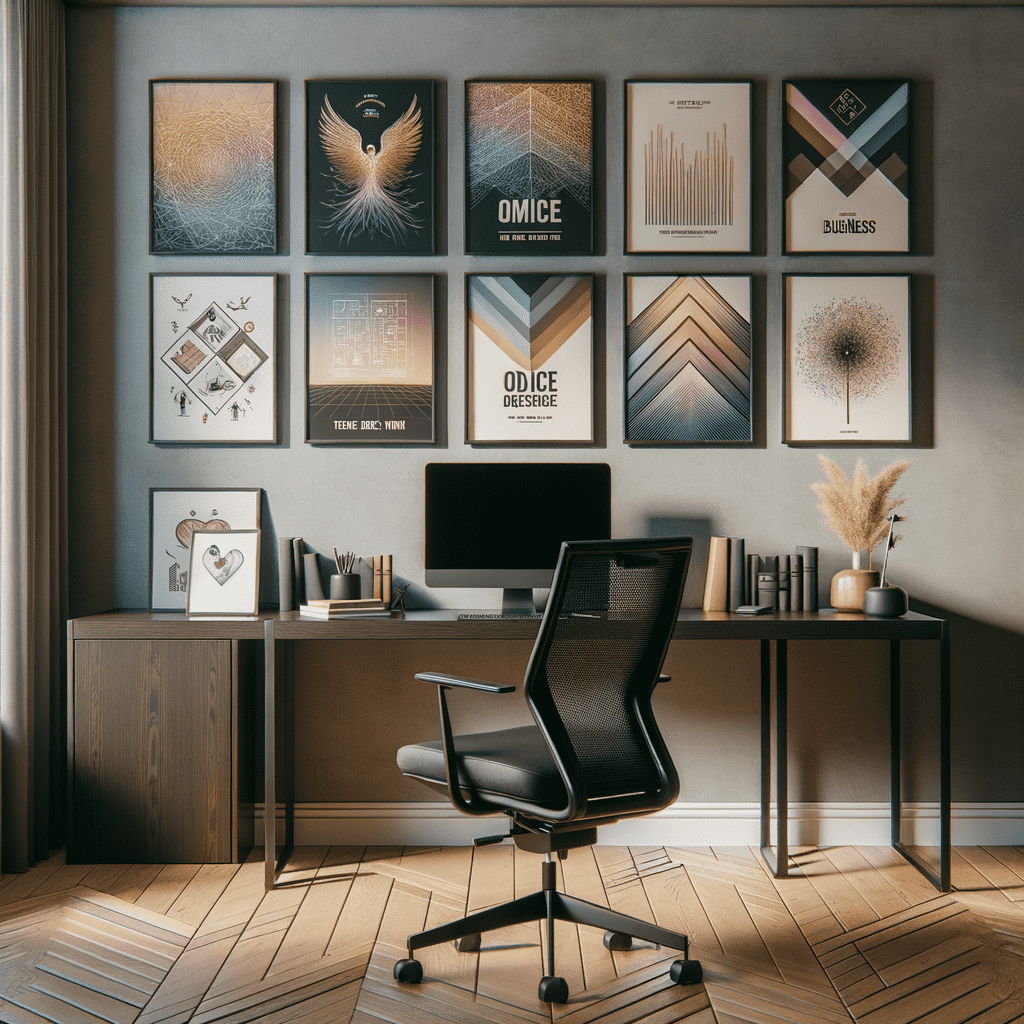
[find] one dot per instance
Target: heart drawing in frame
(222, 567)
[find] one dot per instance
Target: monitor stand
(517, 601)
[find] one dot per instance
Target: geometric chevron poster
(530, 168)
(846, 154)
(688, 360)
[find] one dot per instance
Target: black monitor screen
(501, 524)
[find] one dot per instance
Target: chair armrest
(442, 679)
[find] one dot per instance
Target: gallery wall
(962, 553)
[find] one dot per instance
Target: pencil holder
(345, 586)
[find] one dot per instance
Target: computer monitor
(501, 524)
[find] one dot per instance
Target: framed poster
(213, 359)
(687, 150)
(847, 358)
(688, 360)
(224, 573)
(529, 168)
(175, 514)
(369, 358)
(370, 167)
(213, 168)
(846, 156)
(530, 359)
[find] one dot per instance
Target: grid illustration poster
(370, 167)
(530, 359)
(529, 168)
(846, 148)
(370, 358)
(687, 167)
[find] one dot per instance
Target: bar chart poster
(846, 149)
(530, 168)
(369, 358)
(687, 152)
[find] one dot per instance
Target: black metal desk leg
(895, 774)
(269, 767)
(777, 860)
(945, 783)
(766, 750)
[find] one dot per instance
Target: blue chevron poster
(846, 149)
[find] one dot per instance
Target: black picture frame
(344, 214)
(529, 193)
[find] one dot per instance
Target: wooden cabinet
(160, 742)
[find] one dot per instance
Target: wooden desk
(777, 630)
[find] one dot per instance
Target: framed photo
(530, 359)
(175, 514)
(370, 167)
(224, 573)
(213, 168)
(688, 360)
(530, 168)
(687, 150)
(369, 358)
(847, 161)
(213, 377)
(847, 359)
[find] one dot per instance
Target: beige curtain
(33, 450)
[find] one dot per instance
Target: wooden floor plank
(161, 893)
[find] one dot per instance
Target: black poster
(529, 168)
(370, 167)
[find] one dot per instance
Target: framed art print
(369, 358)
(846, 155)
(224, 573)
(213, 358)
(687, 150)
(370, 167)
(530, 168)
(847, 359)
(688, 360)
(530, 359)
(213, 168)
(175, 514)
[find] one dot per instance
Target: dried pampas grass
(858, 509)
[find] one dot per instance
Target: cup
(345, 586)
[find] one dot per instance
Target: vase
(850, 585)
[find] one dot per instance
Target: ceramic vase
(850, 585)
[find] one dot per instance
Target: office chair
(595, 754)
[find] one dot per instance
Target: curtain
(33, 449)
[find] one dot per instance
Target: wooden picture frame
(224, 573)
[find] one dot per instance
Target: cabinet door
(151, 754)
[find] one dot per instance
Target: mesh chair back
(604, 637)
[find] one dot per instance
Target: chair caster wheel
(553, 990)
(410, 972)
(468, 943)
(686, 972)
(617, 941)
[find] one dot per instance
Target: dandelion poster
(847, 359)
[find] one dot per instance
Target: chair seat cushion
(511, 762)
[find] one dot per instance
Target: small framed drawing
(370, 167)
(213, 168)
(847, 359)
(847, 160)
(530, 359)
(687, 152)
(369, 358)
(177, 513)
(213, 359)
(688, 360)
(224, 573)
(530, 168)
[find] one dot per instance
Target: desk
(776, 629)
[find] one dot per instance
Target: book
(367, 610)
(385, 580)
(716, 585)
(768, 582)
(378, 575)
(335, 604)
(737, 572)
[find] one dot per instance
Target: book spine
(753, 568)
(285, 575)
(737, 572)
(314, 588)
(783, 605)
(385, 580)
(298, 590)
(768, 582)
(796, 583)
(810, 557)
(378, 573)
(716, 585)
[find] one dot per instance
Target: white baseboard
(711, 824)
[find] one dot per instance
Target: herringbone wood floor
(856, 934)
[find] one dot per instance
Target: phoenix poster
(370, 358)
(529, 168)
(847, 159)
(370, 167)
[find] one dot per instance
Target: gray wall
(962, 550)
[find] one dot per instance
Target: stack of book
(356, 608)
(735, 578)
